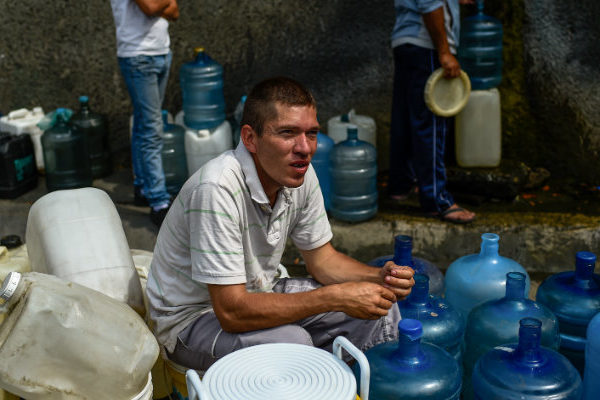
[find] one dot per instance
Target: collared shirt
(221, 229)
(410, 28)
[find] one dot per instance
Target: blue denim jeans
(146, 79)
(417, 136)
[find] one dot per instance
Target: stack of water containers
(207, 134)
(478, 129)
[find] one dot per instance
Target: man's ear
(249, 136)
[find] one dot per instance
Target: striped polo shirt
(221, 229)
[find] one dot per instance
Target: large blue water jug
(476, 278)
(591, 381)
(442, 324)
(408, 369)
(525, 370)
(320, 163)
(202, 89)
(480, 50)
(574, 296)
(66, 158)
(353, 179)
(173, 155)
(403, 246)
(496, 322)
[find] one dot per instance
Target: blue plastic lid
(83, 99)
(411, 328)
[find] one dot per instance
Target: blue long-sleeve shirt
(410, 28)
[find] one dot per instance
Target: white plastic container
(65, 341)
(478, 130)
(77, 235)
(25, 121)
(337, 129)
(205, 144)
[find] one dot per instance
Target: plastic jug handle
(195, 387)
(365, 370)
(20, 113)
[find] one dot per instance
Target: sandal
(449, 211)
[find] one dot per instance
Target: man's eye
(312, 134)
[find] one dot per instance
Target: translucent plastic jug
(65, 341)
(442, 324)
(202, 90)
(77, 235)
(353, 179)
(173, 155)
(574, 297)
(478, 134)
(591, 383)
(66, 156)
(18, 174)
(526, 370)
(496, 322)
(337, 127)
(480, 50)
(410, 369)
(320, 162)
(95, 126)
(23, 121)
(476, 278)
(403, 246)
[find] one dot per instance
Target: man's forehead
(286, 112)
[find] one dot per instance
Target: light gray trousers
(203, 342)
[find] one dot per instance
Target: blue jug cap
(585, 262)
(198, 50)
(83, 99)
(345, 118)
(411, 328)
(243, 98)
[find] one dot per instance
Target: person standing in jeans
(145, 59)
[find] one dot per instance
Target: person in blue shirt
(425, 38)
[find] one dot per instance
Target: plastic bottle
(480, 50)
(237, 116)
(478, 130)
(205, 144)
(476, 278)
(337, 127)
(21, 121)
(77, 235)
(574, 297)
(496, 322)
(353, 179)
(173, 155)
(65, 341)
(403, 246)
(591, 383)
(66, 156)
(410, 369)
(95, 127)
(18, 173)
(202, 89)
(526, 370)
(320, 162)
(442, 324)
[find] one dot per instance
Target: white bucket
(203, 145)
(478, 130)
(338, 130)
(22, 121)
(146, 393)
(77, 235)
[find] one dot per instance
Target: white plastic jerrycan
(77, 235)
(61, 341)
(22, 121)
(205, 144)
(337, 127)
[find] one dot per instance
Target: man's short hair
(260, 103)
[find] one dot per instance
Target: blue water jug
(202, 90)
(574, 296)
(442, 324)
(476, 278)
(66, 158)
(480, 50)
(353, 179)
(496, 322)
(591, 381)
(18, 173)
(525, 370)
(403, 256)
(95, 127)
(409, 369)
(320, 162)
(173, 155)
